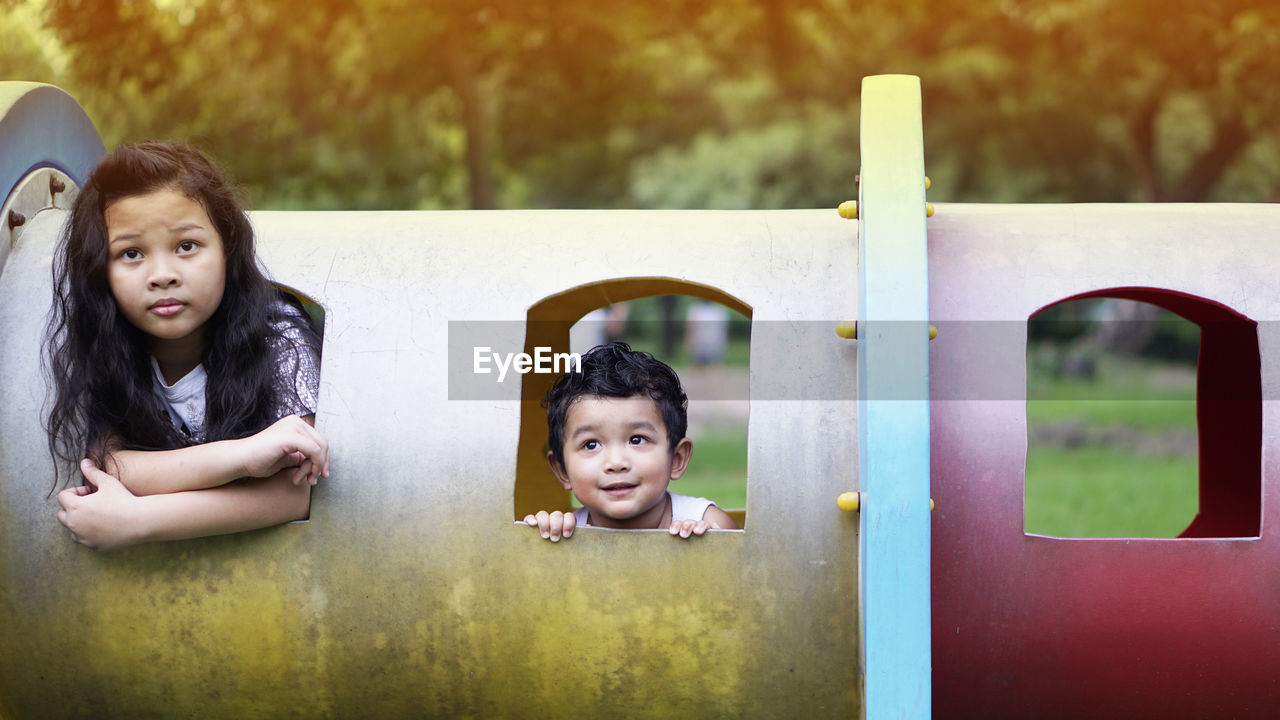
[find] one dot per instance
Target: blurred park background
(392, 104)
(399, 104)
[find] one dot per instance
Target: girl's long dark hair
(99, 364)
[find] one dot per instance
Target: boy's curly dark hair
(98, 363)
(615, 370)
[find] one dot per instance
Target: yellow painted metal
(848, 329)
(850, 501)
(410, 593)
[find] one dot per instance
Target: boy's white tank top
(683, 507)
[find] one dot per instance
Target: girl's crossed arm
(289, 443)
(111, 517)
(188, 493)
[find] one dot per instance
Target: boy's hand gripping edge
(552, 525)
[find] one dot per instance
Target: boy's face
(618, 461)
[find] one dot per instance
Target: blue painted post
(893, 400)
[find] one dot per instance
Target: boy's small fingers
(557, 525)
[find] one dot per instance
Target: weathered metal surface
(410, 592)
(42, 189)
(1031, 626)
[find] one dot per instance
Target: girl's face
(165, 266)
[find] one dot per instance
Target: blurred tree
(281, 93)
(22, 53)
(1142, 101)
(676, 103)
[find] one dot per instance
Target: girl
(186, 378)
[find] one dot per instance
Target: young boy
(616, 433)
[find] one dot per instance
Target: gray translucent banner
(806, 360)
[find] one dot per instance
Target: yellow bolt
(848, 329)
(848, 209)
(930, 504)
(927, 182)
(928, 209)
(850, 501)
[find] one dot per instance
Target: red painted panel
(1029, 626)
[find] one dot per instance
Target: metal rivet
(16, 218)
(55, 185)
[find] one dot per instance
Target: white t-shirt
(184, 400)
(297, 381)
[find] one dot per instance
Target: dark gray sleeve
(297, 354)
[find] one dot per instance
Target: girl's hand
(103, 517)
(290, 442)
(552, 525)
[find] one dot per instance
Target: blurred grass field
(1136, 474)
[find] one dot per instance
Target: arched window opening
(1144, 418)
(701, 332)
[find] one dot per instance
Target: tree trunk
(781, 41)
(480, 184)
(1229, 139)
(1142, 132)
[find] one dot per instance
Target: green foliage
(736, 103)
(24, 47)
(1081, 326)
(792, 162)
